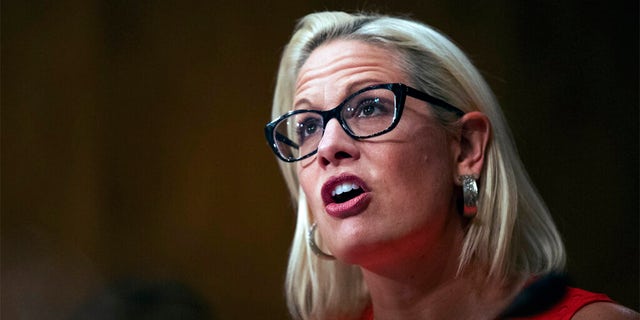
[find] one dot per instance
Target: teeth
(345, 187)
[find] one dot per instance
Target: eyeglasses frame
(400, 91)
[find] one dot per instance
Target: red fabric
(573, 301)
(368, 313)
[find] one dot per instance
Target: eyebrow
(300, 102)
(351, 88)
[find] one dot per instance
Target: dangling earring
(311, 241)
(470, 195)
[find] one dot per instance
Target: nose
(336, 146)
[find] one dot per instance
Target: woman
(412, 202)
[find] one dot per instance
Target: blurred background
(134, 164)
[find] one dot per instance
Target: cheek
(310, 186)
(303, 177)
(423, 166)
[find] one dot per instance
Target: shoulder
(579, 304)
(590, 305)
(605, 310)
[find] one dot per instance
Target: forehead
(349, 63)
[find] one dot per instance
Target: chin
(358, 251)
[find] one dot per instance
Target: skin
(604, 310)
(330, 74)
(408, 238)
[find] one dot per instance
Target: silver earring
(311, 241)
(470, 195)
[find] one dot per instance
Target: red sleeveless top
(573, 300)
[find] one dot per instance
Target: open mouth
(345, 192)
(343, 188)
(345, 195)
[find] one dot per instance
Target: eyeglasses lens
(365, 114)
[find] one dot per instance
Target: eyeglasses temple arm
(282, 138)
(435, 101)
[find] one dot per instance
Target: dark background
(132, 144)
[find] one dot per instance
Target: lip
(348, 208)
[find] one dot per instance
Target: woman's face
(397, 189)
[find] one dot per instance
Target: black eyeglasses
(367, 113)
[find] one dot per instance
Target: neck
(459, 298)
(428, 286)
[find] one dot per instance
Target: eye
(307, 127)
(367, 110)
(371, 107)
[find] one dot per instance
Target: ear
(474, 137)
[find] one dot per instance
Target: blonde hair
(513, 232)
